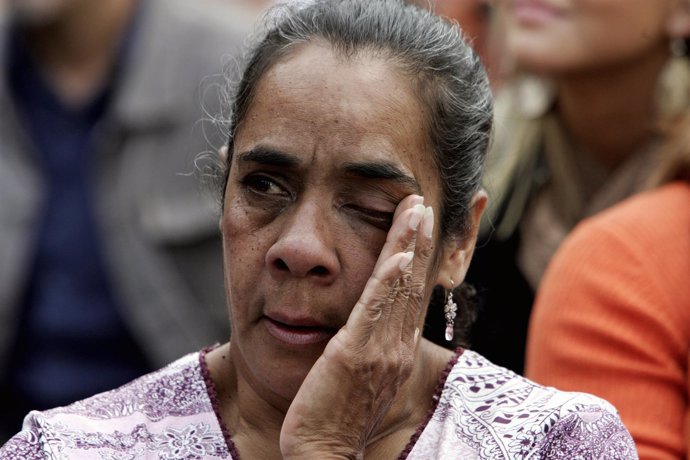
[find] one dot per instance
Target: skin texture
(74, 42)
(554, 36)
(604, 57)
(315, 235)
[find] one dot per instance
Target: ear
(678, 20)
(457, 254)
(223, 154)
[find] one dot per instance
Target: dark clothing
(140, 281)
(71, 339)
(504, 303)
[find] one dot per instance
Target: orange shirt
(612, 317)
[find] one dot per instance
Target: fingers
(410, 291)
(423, 251)
(377, 296)
(394, 295)
(407, 216)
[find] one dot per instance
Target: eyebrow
(269, 156)
(366, 170)
(383, 170)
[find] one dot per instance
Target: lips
(298, 332)
(534, 12)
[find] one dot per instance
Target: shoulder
(661, 212)
(165, 412)
(200, 33)
(507, 416)
(209, 21)
(649, 234)
(176, 390)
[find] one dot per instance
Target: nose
(304, 248)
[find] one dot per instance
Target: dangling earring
(679, 47)
(671, 97)
(450, 309)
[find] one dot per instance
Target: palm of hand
(352, 385)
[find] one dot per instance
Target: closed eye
(380, 219)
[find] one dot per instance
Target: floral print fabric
(164, 415)
(482, 412)
(488, 412)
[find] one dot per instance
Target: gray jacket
(160, 232)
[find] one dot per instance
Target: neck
(610, 113)
(77, 50)
(255, 423)
(412, 404)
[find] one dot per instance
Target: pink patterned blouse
(481, 411)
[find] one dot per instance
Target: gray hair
(449, 77)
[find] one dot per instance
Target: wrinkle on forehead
(318, 74)
(329, 109)
(316, 79)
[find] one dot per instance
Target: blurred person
(577, 130)
(109, 256)
(473, 17)
(350, 205)
(612, 315)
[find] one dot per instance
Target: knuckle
(406, 366)
(417, 292)
(425, 252)
(403, 287)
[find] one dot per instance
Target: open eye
(264, 185)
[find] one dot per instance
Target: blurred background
(110, 260)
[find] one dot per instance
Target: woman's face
(327, 149)
(571, 36)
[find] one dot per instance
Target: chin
(539, 53)
(278, 370)
(286, 384)
(543, 62)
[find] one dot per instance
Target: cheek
(245, 243)
(239, 235)
(357, 267)
(358, 259)
(616, 31)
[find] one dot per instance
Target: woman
(352, 190)
(617, 296)
(577, 132)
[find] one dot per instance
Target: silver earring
(450, 310)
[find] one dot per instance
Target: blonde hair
(675, 153)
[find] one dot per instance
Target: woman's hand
(352, 385)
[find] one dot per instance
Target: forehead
(331, 109)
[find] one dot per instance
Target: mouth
(534, 12)
(298, 332)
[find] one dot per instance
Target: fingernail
(418, 200)
(428, 226)
(416, 335)
(416, 217)
(405, 260)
